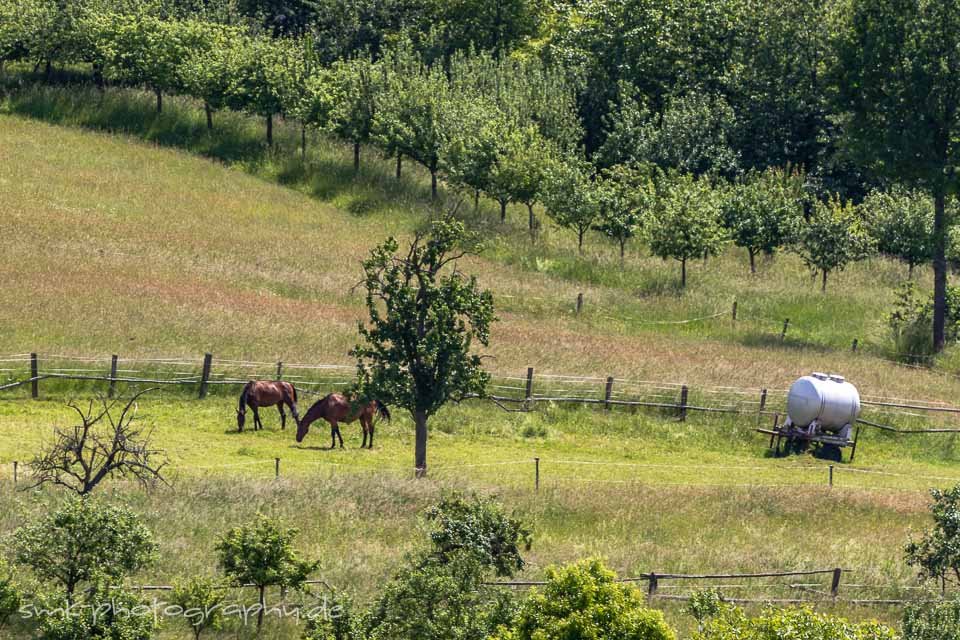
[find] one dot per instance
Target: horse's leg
(339, 437)
(257, 425)
(333, 435)
(370, 446)
(283, 417)
(363, 427)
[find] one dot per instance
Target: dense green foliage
(201, 599)
(478, 527)
(114, 614)
(84, 542)
(585, 601)
(937, 554)
(732, 623)
(10, 596)
(932, 621)
(835, 236)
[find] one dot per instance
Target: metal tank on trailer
(821, 409)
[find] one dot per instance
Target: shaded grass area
(645, 492)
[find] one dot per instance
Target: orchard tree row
(615, 116)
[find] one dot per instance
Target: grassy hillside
(142, 250)
(143, 235)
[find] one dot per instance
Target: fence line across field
(551, 387)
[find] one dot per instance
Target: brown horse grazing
(260, 393)
(336, 408)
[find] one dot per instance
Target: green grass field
(143, 235)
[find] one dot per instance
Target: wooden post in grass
(205, 374)
(528, 399)
(831, 476)
(856, 343)
(835, 583)
(652, 586)
(786, 325)
(34, 374)
(579, 302)
(763, 404)
(276, 467)
(684, 393)
(734, 310)
(16, 466)
(113, 376)
(280, 371)
(608, 393)
(536, 475)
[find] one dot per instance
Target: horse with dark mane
(336, 408)
(262, 393)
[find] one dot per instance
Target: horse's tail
(382, 410)
(243, 397)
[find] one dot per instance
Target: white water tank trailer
(821, 408)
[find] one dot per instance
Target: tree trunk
(303, 141)
(580, 232)
(683, 273)
(476, 199)
(503, 211)
(49, 69)
(159, 100)
(910, 271)
(420, 447)
(356, 157)
(823, 286)
(753, 260)
(531, 220)
(939, 271)
(399, 164)
(270, 130)
(623, 251)
(263, 605)
(433, 184)
(209, 112)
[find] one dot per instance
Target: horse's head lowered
(303, 427)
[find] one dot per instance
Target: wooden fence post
(831, 475)
(113, 376)
(536, 475)
(835, 584)
(276, 467)
(763, 399)
(280, 371)
(579, 302)
(783, 334)
(16, 466)
(608, 393)
(205, 374)
(856, 343)
(734, 310)
(684, 393)
(34, 374)
(652, 586)
(528, 399)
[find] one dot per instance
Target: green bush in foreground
(731, 623)
(937, 621)
(106, 615)
(585, 601)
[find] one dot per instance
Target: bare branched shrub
(101, 446)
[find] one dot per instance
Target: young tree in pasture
(416, 349)
(835, 235)
(201, 599)
(517, 171)
(82, 542)
(266, 78)
(209, 70)
(901, 221)
(936, 555)
(473, 134)
(686, 221)
(627, 197)
(10, 596)
(261, 553)
(899, 68)
(763, 212)
(354, 86)
(409, 117)
(570, 195)
(144, 49)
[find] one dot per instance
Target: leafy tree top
(262, 553)
(901, 221)
(764, 210)
(835, 235)
(416, 349)
(686, 223)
